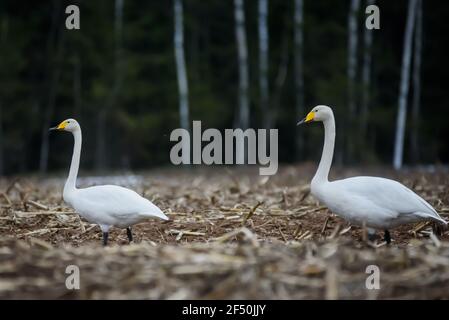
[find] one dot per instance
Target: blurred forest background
(136, 70)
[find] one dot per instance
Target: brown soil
(232, 234)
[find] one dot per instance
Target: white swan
(378, 203)
(107, 205)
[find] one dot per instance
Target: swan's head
(318, 113)
(69, 125)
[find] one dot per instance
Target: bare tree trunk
(242, 49)
(416, 84)
(54, 86)
(366, 77)
(181, 71)
(100, 162)
(1, 140)
(103, 114)
(3, 39)
(281, 76)
(181, 65)
(263, 63)
(352, 72)
(352, 53)
(77, 100)
(299, 70)
(404, 86)
(243, 64)
(55, 49)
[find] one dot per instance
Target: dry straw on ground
(232, 234)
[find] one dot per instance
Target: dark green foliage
(146, 108)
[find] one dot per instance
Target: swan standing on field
(106, 205)
(378, 203)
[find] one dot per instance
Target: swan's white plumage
(375, 202)
(111, 205)
(106, 205)
(380, 203)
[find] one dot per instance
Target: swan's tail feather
(442, 221)
(158, 214)
(435, 217)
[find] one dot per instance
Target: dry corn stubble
(232, 235)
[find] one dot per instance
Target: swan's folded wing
(117, 201)
(388, 194)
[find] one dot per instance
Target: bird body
(375, 202)
(106, 205)
(111, 205)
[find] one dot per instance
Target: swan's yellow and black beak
(310, 116)
(60, 126)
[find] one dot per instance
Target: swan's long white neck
(70, 184)
(322, 174)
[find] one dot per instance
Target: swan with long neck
(377, 203)
(106, 205)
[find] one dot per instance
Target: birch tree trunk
(281, 76)
(404, 86)
(54, 52)
(263, 63)
(100, 156)
(299, 70)
(54, 87)
(416, 83)
(366, 77)
(77, 100)
(1, 140)
(352, 53)
(242, 50)
(182, 74)
(352, 72)
(3, 39)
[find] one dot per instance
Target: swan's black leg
(437, 229)
(105, 238)
(372, 237)
(129, 233)
(387, 236)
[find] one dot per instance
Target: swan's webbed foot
(105, 238)
(387, 237)
(129, 234)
